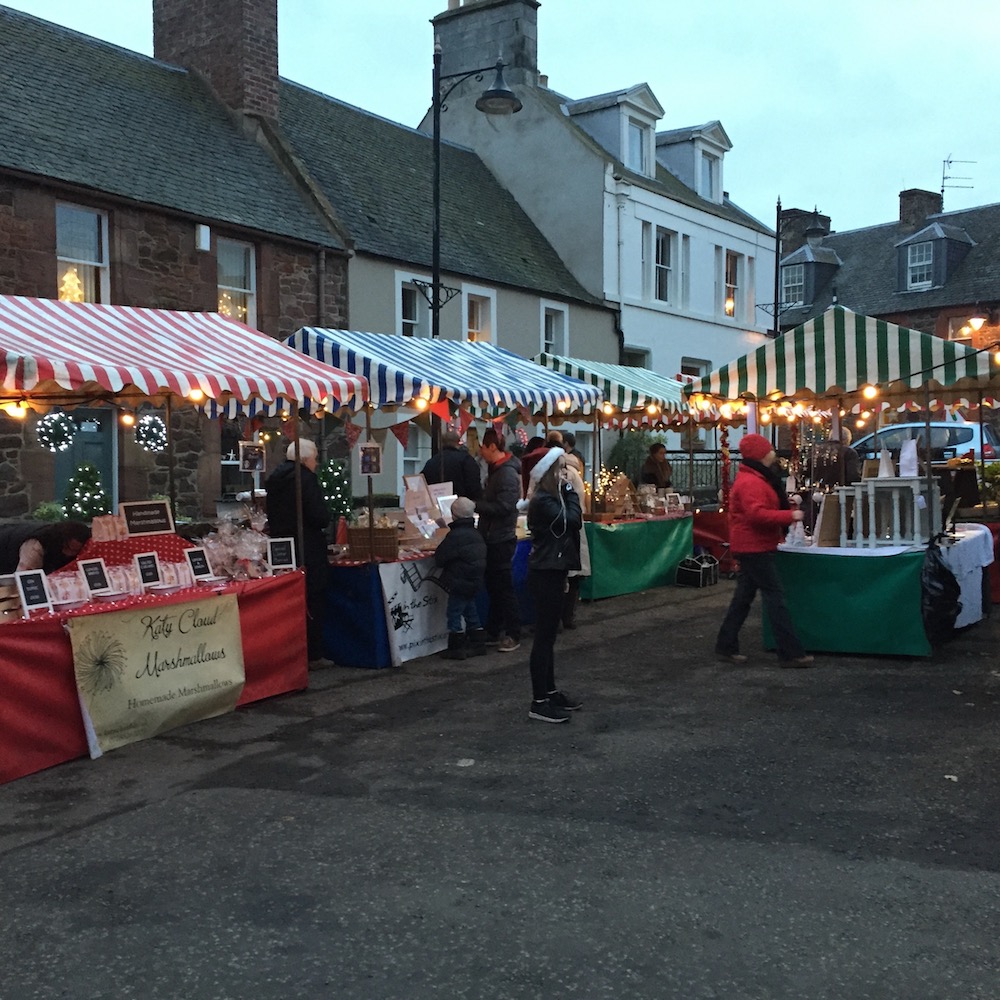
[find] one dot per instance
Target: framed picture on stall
(252, 457)
(95, 575)
(147, 565)
(34, 591)
(281, 554)
(370, 458)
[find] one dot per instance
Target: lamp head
(499, 99)
(978, 320)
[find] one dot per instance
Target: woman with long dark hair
(554, 520)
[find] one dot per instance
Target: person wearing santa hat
(759, 516)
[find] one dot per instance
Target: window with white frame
(82, 254)
(480, 308)
(237, 271)
(793, 284)
(959, 329)
(555, 320)
(417, 451)
(710, 177)
(731, 302)
(637, 156)
(919, 265)
(413, 311)
(663, 265)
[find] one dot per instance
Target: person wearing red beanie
(759, 515)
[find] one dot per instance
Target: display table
(40, 720)
(846, 600)
(629, 556)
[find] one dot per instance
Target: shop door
(95, 442)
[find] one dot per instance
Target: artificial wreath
(151, 433)
(55, 431)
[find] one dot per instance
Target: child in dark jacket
(462, 558)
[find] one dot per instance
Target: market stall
(454, 380)
(63, 354)
(822, 370)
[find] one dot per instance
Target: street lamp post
(499, 99)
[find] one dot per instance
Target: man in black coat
(282, 523)
(497, 509)
(453, 464)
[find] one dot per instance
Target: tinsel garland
(151, 433)
(55, 431)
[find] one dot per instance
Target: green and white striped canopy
(834, 356)
(624, 387)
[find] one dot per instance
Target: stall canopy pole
(371, 491)
(300, 534)
(171, 484)
(932, 514)
(982, 441)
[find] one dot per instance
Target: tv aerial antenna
(946, 165)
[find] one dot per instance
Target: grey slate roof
(866, 282)
(664, 183)
(80, 110)
(378, 176)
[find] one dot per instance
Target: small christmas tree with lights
(335, 481)
(85, 497)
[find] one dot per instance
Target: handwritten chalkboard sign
(34, 591)
(281, 553)
(147, 517)
(96, 575)
(198, 561)
(148, 566)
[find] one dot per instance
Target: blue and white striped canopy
(481, 376)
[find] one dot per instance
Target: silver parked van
(949, 439)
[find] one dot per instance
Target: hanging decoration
(151, 433)
(55, 431)
(402, 432)
(352, 432)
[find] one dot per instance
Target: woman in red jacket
(759, 516)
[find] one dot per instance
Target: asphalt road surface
(697, 831)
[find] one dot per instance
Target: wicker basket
(386, 544)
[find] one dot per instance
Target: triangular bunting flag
(440, 409)
(464, 420)
(351, 433)
(402, 432)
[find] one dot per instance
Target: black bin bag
(939, 596)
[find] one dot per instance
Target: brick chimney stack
(915, 205)
(794, 224)
(232, 43)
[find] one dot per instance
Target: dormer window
(637, 157)
(919, 266)
(793, 284)
(710, 177)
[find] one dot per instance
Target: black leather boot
(477, 642)
(457, 648)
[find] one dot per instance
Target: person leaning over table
(283, 523)
(41, 545)
(759, 516)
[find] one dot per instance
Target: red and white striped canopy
(64, 352)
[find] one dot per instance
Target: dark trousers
(547, 586)
(758, 572)
(504, 615)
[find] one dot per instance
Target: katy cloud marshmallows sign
(145, 670)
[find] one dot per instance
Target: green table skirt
(634, 555)
(854, 604)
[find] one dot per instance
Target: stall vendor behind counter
(48, 546)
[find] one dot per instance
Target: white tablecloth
(966, 557)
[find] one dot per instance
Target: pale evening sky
(841, 105)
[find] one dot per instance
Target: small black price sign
(148, 565)
(198, 561)
(281, 553)
(34, 591)
(96, 575)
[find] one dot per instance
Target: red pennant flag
(440, 409)
(351, 433)
(402, 432)
(464, 420)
